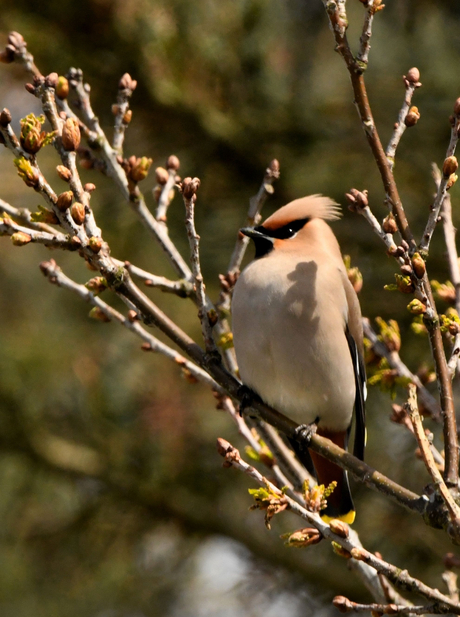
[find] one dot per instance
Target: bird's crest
(312, 206)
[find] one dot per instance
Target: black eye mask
(285, 232)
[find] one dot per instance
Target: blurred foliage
(112, 494)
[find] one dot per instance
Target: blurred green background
(226, 85)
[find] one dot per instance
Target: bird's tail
(339, 503)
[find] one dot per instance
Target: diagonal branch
(452, 507)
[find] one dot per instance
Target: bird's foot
(304, 432)
(247, 398)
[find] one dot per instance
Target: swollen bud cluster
(32, 138)
(16, 45)
(136, 168)
(189, 187)
(357, 200)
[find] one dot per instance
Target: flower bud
(340, 551)
(406, 269)
(389, 224)
(133, 316)
(339, 528)
(89, 187)
(357, 200)
(413, 75)
(416, 307)
(450, 166)
(404, 284)
(342, 604)
(5, 117)
(358, 553)
(274, 168)
(75, 242)
(78, 213)
(412, 117)
(95, 244)
(146, 347)
(127, 83)
(173, 162)
(71, 135)
(418, 265)
(139, 168)
(16, 40)
(161, 175)
(98, 284)
(128, 116)
(64, 173)
(28, 173)
(62, 87)
(190, 186)
(99, 315)
(451, 181)
(44, 216)
(20, 238)
(51, 80)
(457, 107)
(32, 141)
(64, 200)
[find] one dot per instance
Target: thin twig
(164, 200)
(181, 288)
(419, 432)
(364, 41)
(450, 579)
(411, 83)
(347, 606)
(452, 258)
(126, 87)
(189, 188)
(272, 173)
(444, 183)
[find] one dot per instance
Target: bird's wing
(360, 397)
(354, 334)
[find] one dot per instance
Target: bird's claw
(304, 432)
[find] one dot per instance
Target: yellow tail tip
(348, 518)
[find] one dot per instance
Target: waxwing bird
(298, 333)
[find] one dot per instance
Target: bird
(298, 336)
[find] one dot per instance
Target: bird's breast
(289, 333)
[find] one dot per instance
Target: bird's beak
(263, 243)
(255, 234)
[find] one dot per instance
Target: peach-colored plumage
(297, 322)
